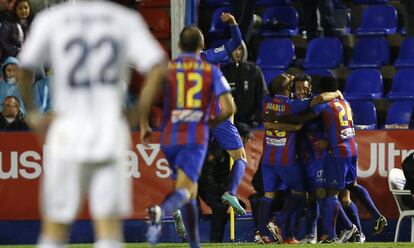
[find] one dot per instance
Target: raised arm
(236, 37)
(325, 97)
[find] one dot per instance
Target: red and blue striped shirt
(280, 146)
(191, 85)
(339, 127)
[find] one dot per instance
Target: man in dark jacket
(11, 118)
(247, 87)
(214, 181)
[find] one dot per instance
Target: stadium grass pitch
(243, 245)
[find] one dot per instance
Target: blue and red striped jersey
(314, 133)
(280, 146)
(191, 85)
(339, 127)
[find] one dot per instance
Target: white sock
(46, 242)
(108, 243)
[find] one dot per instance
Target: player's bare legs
(53, 235)
(237, 172)
(108, 233)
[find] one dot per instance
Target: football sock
(331, 207)
(264, 214)
(352, 213)
(107, 243)
(346, 222)
(312, 214)
(190, 217)
(290, 213)
(322, 204)
(237, 173)
(175, 201)
(46, 242)
(363, 196)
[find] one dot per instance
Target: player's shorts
(339, 172)
(276, 177)
(227, 136)
(189, 158)
(314, 172)
(66, 182)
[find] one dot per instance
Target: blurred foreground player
(89, 45)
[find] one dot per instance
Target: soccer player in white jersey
(89, 45)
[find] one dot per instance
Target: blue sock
(175, 201)
(363, 196)
(346, 222)
(330, 214)
(290, 213)
(322, 204)
(190, 218)
(264, 214)
(352, 213)
(237, 173)
(312, 214)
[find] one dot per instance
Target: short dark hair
(190, 39)
(301, 77)
(328, 84)
(12, 97)
(278, 84)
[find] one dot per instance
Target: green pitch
(244, 245)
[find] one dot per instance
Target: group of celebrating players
(310, 150)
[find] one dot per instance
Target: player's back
(89, 45)
(187, 100)
(88, 48)
(339, 128)
(280, 146)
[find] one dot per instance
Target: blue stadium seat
(323, 53)
(378, 20)
(269, 74)
(370, 1)
(275, 53)
(370, 52)
(280, 21)
(406, 55)
(364, 84)
(218, 28)
(272, 2)
(399, 113)
(364, 114)
(402, 85)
